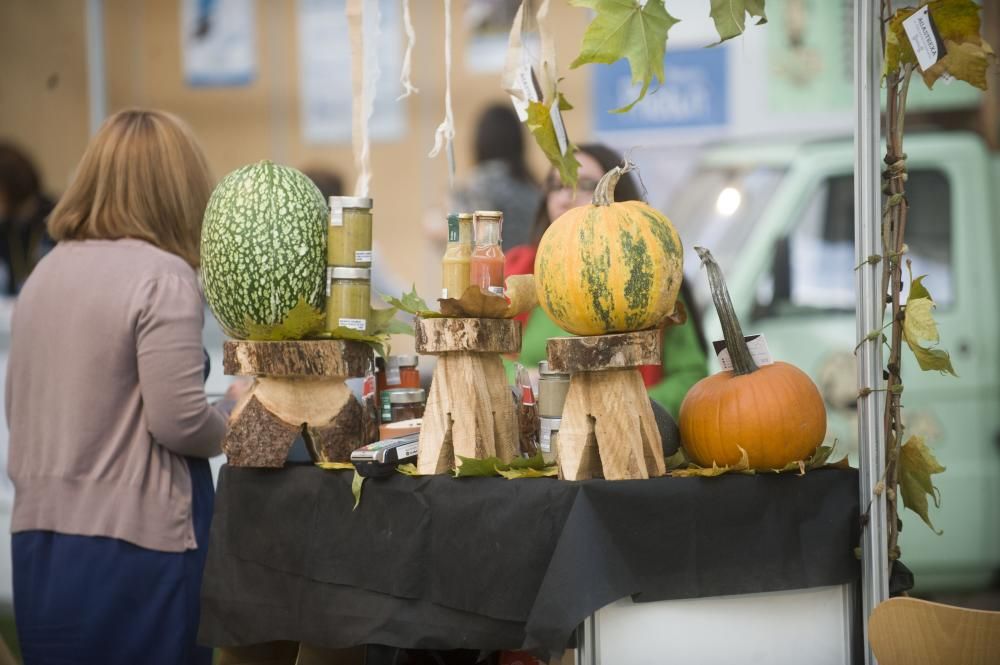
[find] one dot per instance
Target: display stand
(608, 428)
(470, 409)
(299, 390)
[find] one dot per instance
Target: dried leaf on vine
(919, 327)
(967, 55)
(627, 29)
(730, 16)
(542, 128)
(916, 466)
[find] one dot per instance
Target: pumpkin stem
(738, 351)
(604, 193)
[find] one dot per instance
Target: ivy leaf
(916, 465)
(626, 29)
(540, 124)
(412, 303)
(730, 16)
(919, 326)
(958, 22)
(300, 322)
(356, 485)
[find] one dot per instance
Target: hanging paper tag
(527, 85)
(924, 37)
(557, 124)
(758, 350)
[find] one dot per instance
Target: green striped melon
(263, 247)
(609, 267)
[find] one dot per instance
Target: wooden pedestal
(470, 409)
(608, 428)
(299, 390)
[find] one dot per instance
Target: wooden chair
(908, 631)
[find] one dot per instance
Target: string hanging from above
(411, 41)
(444, 136)
(364, 35)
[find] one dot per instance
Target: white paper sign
(758, 350)
(924, 38)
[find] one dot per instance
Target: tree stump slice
(470, 413)
(277, 411)
(608, 428)
(297, 358)
(434, 336)
(599, 352)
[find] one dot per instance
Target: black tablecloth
(487, 563)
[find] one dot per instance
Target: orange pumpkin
(774, 412)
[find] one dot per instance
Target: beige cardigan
(105, 394)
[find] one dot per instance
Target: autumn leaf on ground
(695, 471)
(546, 472)
(542, 128)
(412, 303)
(519, 467)
(300, 322)
(919, 327)
(916, 465)
(730, 16)
(626, 29)
(469, 467)
(967, 55)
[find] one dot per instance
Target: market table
(488, 563)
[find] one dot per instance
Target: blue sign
(694, 94)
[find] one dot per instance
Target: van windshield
(718, 208)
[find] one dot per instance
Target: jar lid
(405, 361)
(362, 202)
(543, 370)
(489, 214)
(350, 273)
(405, 395)
(464, 216)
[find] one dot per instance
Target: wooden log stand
(298, 390)
(470, 410)
(608, 428)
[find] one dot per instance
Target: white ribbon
(364, 79)
(411, 40)
(445, 133)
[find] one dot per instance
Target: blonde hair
(142, 176)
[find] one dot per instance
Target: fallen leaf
(380, 343)
(519, 297)
(335, 466)
(628, 29)
(412, 303)
(695, 471)
(541, 127)
(300, 322)
(916, 465)
(521, 293)
(379, 320)
(546, 472)
(356, 485)
(469, 467)
(730, 16)
(519, 467)
(409, 469)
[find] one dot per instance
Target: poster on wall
(218, 42)
(694, 95)
(325, 72)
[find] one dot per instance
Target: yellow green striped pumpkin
(609, 267)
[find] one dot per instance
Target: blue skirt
(84, 599)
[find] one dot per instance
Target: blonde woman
(110, 429)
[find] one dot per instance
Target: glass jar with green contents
(348, 298)
(349, 242)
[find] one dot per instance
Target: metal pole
(96, 84)
(868, 242)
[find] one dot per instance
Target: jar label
(386, 408)
(337, 217)
(354, 324)
(497, 290)
(363, 256)
(444, 294)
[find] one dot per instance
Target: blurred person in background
(501, 180)
(684, 348)
(110, 429)
(23, 209)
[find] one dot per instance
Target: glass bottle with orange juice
(486, 262)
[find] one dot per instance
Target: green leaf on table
(536, 462)
(380, 319)
(958, 22)
(412, 303)
(916, 466)
(626, 29)
(409, 469)
(470, 467)
(919, 327)
(335, 466)
(545, 472)
(380, 342)
(730, 16)
(300, 322)
(519, 467)
(542, 128)
(356, 485)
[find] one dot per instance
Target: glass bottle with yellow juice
(457, 256)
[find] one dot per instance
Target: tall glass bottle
(486, 263)
(455, 265)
